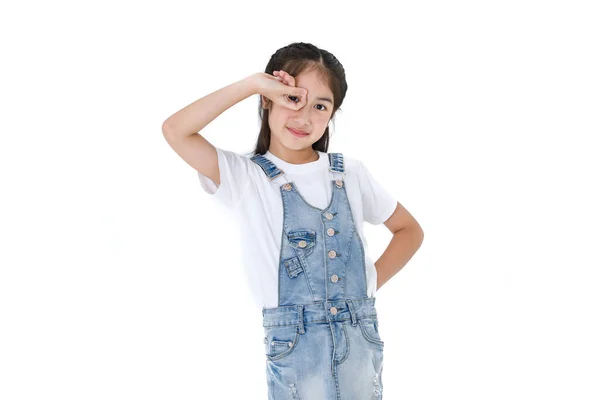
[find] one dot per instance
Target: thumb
(300, 92)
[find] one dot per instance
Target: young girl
(301, 212)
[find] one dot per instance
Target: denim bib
(322, 340)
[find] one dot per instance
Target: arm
(407, 239)
(180, 129)
(194, 117)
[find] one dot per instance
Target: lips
(297, 132)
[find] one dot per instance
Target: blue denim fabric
(322, 341)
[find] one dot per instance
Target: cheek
(322, 120)
(276, 121)
(278, 113)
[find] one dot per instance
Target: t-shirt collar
(297, 168)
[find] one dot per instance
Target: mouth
(297, 133)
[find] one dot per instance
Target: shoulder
(240, 163)
(233, 155)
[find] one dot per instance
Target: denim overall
(322, 341)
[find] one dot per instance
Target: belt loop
(352, 312)
(301, 319)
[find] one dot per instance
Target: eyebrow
(325, 99)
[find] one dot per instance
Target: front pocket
(302, 240)
(370, 331)
(280, 341)
(279, 347)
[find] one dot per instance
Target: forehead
(313, 82)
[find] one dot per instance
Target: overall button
(302, 243)
(287, 187)
(334, 278)
(331, 231)
(339, 183)
(332, 254)
(329, 216)
(333, 310)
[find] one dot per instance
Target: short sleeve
(234, 178)
(378, 203)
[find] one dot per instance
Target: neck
(296, 157)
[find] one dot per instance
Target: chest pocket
(303, 241)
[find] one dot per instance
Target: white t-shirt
(257, 204)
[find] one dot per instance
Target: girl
(301, 211)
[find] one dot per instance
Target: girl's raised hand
(281, 89)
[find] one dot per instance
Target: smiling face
(312, 119)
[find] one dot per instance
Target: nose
(302, 118)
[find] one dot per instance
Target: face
(312, 118)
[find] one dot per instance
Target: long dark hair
(294, 59)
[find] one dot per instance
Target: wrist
(253, 83)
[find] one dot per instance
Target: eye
(295, 101)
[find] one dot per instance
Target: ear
(266, 102)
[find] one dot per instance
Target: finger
(302, 101)
(300, 93)
(299, 105)
(290, 79)
(277, 75)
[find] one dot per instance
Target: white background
(120, 279)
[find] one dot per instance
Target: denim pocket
(302, 240)
(280, 341)
(370, 330)
(293, 266)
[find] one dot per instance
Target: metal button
(287, 187)
(329, 216)
(290, 344)
(302, 243)
(339, 183)
(331, 231)
(332, 254)
(334, 278)
(333, 310)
